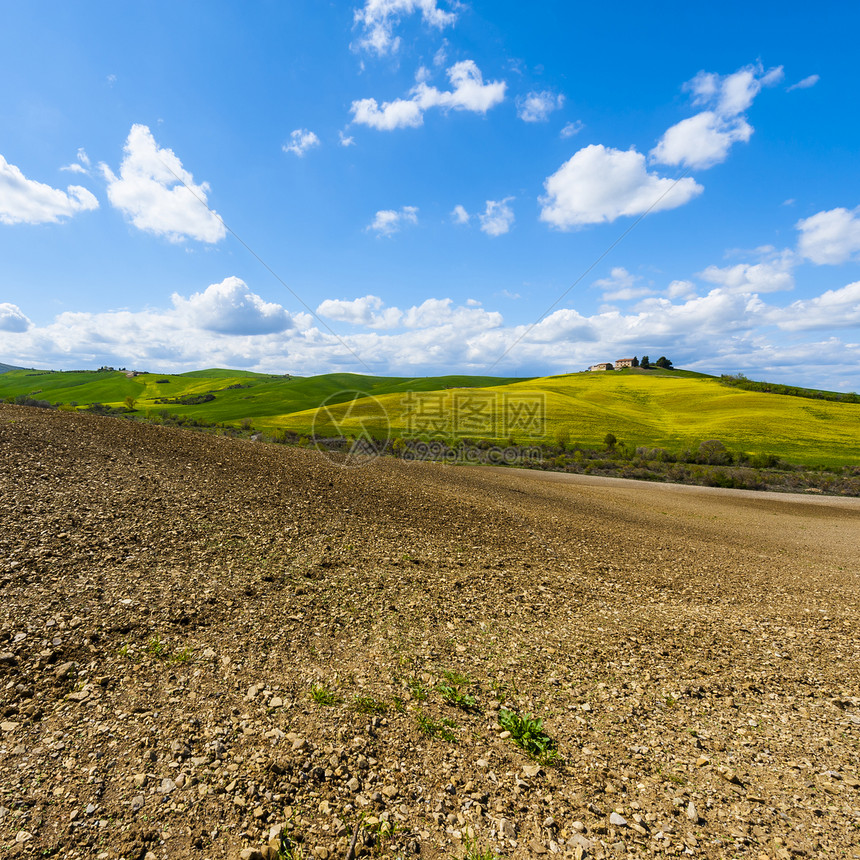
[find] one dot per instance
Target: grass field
(669, 409)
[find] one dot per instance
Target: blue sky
(426, 186)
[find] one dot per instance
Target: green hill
(671, 409)
(5, 368)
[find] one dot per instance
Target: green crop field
(670, 409)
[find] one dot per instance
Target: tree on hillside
(610, 440)
(635, 361)
(663, 362)
(645, 363)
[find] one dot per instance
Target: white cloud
(158, 194)
(599, 184)
(433, 313)
(12, 318)
(401, 113)
(389, 221)
(536, 107)
(830, 237)
(26, 201)
(231, 308)
(804, 84)
(497, 218)
(345, 140)
(368, 311)
(681, 290)
(832, 309)
(572, 128)
(228, 325)
(459, 215)
(378, 18)
(469, 93)
(703, 140)
(767, 277)
(82, 165)
(301, 140)
(620, 286)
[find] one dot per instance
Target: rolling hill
(672, 409)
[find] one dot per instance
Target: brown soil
(170, 600)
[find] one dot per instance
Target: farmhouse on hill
(624, 362)
(605, 365)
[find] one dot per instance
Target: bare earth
(170, 600)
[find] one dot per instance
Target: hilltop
(205, 642)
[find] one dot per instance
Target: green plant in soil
(528, 733)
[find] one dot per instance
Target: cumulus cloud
(599, 184)
(368, 311)
(767, 277)
(831, 236)
(26, 201)
(159, 195)
(400, 113)
(804, 84)
(301, 140)
(536, 107)
(389, 221)
(703, 140)
(345, 140)
(469, 93)
(379, 18)
(681, 289)
(725, 330)
(12, 318)
(832, 309)
(231, 308)
(497, 218)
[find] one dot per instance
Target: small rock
(325, 807)
(276, 702)
(537, 847)
(250, 854)
(9, 726)
(23, 836)
(139, 780)
(532, 770)
(167, 786)
(507, 828)
(353, 785)
(617, 820)
(729, 775)
(181, 780)
(137, 803)
(65, 669)
(390, 791)
(692, 812)
(504, 735)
